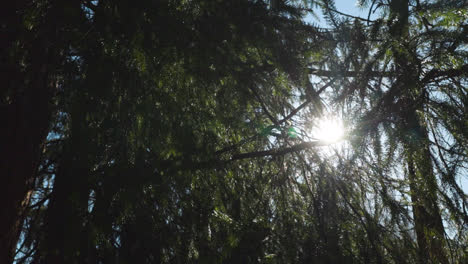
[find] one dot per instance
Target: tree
(177, 132)
(36, 35)
(152, 91)
(402, 109)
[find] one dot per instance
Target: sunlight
(328, 129)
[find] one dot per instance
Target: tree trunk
(423, 189)
(66, 236)
(26, 69)
(26, 123)
(423, 184)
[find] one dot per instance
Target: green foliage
(156, 103)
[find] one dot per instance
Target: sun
(328, 129)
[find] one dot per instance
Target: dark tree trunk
(31, 51)
(25, 119)
(423, 184)
(66, 236)
(25, 111)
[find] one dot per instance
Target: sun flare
(329, 130)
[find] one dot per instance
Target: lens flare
(328, 130)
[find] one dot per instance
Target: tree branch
(278, 151)
(341, 13)
(435, 73)
(262, 104)
(325, 73)
(309, 100)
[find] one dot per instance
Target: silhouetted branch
(435, 73)
(304, 104)
(279, 151)
(325, 73)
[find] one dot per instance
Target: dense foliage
(179, 132)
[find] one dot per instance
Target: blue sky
(346, 6)
(350, 7)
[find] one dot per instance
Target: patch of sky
(88, 7)
(349, 7)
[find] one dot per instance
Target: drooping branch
(342, 14)
(221, 163)
(278, 151)
(263, 105)
(304, 104)
(327, 73)
(435, 73)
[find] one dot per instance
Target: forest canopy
(210, 131)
